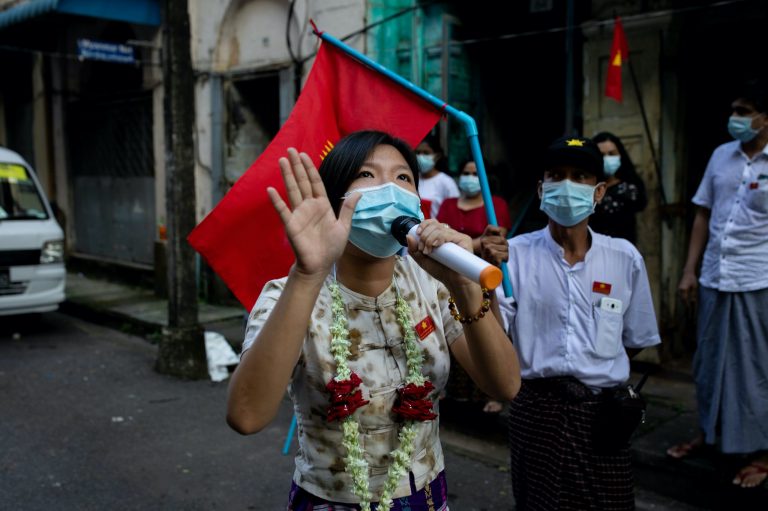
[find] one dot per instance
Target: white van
(32, 271)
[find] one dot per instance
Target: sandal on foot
(752, 475)
(685, 449)
(493, 407)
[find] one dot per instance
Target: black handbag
(620, 413)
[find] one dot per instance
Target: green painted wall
(413, 45)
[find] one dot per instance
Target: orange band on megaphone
(490, 277)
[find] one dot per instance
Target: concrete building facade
(94, 131)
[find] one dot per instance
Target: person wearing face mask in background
(581, 309)
(434, 184)
(361, 335)
(625, 195)
(466, 214)
(731, 361)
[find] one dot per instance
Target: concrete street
(88, 425)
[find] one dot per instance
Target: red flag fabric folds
(619, 55)
(242, 239)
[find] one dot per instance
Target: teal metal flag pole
(469, 126)
(289, 436)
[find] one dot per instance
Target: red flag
(242, 238)
(619, 55)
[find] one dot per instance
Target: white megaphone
(451, 255)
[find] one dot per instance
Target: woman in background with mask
(434, 184)
(361, 336)
(466, 213)
(625, 196)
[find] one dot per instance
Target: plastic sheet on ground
(220, 355)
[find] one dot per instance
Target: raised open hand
(317, 237)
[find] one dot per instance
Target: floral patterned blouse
(378, 357)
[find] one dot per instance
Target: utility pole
(182, 346)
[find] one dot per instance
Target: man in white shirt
(582, 302)
(731, 360)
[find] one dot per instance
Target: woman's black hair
(441, 163)
(433, 142)
(464, 164)
(627, 171)
(342, 164)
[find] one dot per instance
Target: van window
(19, 197)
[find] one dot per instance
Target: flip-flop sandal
(493, 407)
(756, 468)
(685, 449)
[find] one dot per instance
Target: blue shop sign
(140, 12)
(105, 51)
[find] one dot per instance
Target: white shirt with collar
(735, 189)
(436, 189)
(555, 319)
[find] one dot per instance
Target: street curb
(106, 317)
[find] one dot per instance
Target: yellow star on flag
(617, 60)
(574, 142)
(326, 149)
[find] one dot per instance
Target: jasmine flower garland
(345, 399)
(339, 334)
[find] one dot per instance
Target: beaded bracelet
(484, 307)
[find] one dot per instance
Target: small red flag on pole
(242, 239)
(619, 55)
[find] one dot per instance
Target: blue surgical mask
(470, 185)
(372, 220)
(741, 129)
(426, 162)
(611, 164)
(566, 202)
